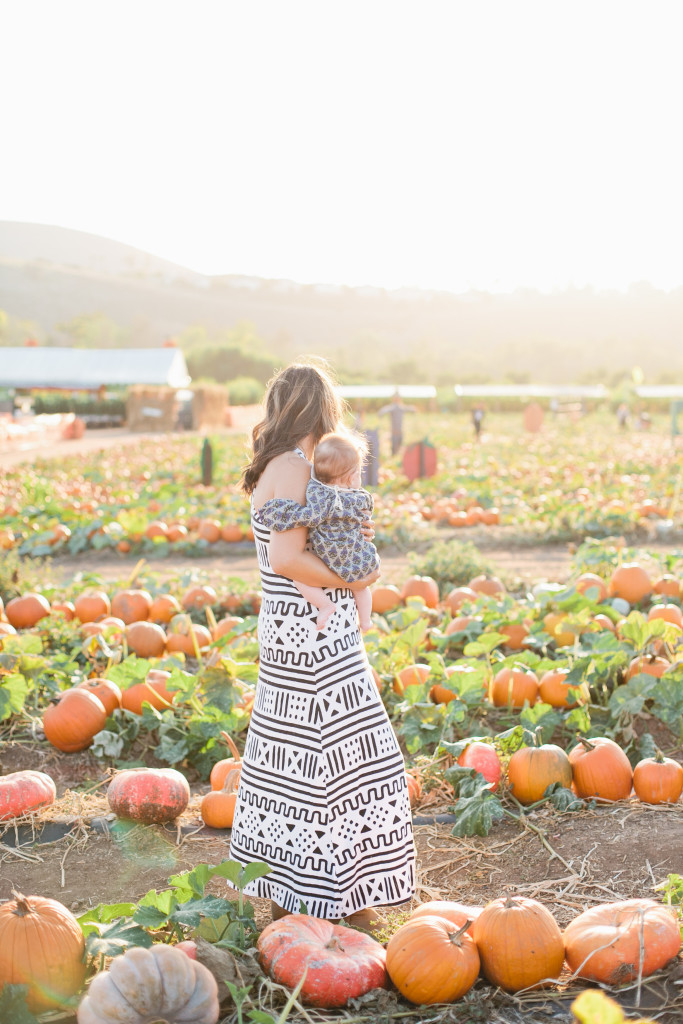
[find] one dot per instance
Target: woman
(322, 796)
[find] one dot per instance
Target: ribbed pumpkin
(424, 587)
(42, 946)
(631, 582)
(457, 913)
(656, 780)
(147, 985)
(222, 768)
(511, 687)
(92, 605)
(218, 806)
(26, 611)
(23, 792)
(153, 691)
(146, 639)
(484, 759)
(131, 605)
(385, 599)
(618, 942)
(71, 720)
(601, 769)
(430, 960)
(105, 690)
(163, 608)
(340, 963)
(519, 942)
(554, 690)
(149, 795)
(532, 769)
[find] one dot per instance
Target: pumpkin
(176, 532)
(414, 784)
(225, 626)
(222, 769)
(484, 759)
(553, 623)
(209, 530)
(23, 792)
(668, 612)
(92, 605)
(199, 597)
(152, 691)
(105, 690)
(146, 639)
(64, 608)
(618, 942)
(26, 611)
(339, 963)
(218, 806)
(515, 634)
(519, 942)
(424, 587)
(72, 719)
(512, 687)
(147, 985)
(186, 636)
(457, 597)
(650, 665)
(41, 946)
(459, 625)
(7, 630)
(411, 675)
(601, 769)
(656, 780)
(232, 533)
(385, 599)
(430, 960)
(592, 586)
(131, 605)
(630, 582)
(149, 795)
(553, 690)
(667, 585)
(163, 608)
(484, 584)
(457, 913)
(532, 769)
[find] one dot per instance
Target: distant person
(478, 420)
(396, 411)
(622, 415)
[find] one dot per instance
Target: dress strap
(299, 451)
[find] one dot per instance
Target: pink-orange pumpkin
(149, 795)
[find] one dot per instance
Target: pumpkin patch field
(531, 664)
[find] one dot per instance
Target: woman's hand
(367, 528)
(366, 582)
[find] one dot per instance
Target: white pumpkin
(146, 985)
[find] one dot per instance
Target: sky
(446, 144)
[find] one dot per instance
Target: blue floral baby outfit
(333, 516)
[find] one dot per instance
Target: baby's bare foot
(324, 615)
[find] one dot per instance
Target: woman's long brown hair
(300, 400)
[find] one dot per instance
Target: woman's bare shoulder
(285, 476)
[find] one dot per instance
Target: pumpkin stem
(509, 902)
(231, 781)
(334, 943)
(659, 756)
(585, 742)
(23, 906)
(232, 746)
(456, 937)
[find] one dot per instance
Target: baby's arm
(282, 514)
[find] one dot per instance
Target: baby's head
(338, 458)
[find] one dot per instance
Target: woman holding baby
(322, 797)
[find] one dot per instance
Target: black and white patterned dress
(322, 796)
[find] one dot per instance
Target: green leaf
(476, 807)
(103, 913)
(632, 696)
(484, 644)
(563, 799)
(108, 744)
(540, 716)
(423, 725)
(191, 912)
(668, 700)
(166, 900)
(13, 691)
(255, 869)
(13, 1008)
(593, 1007)
(116, 938)
(150, 917)
(192, 882)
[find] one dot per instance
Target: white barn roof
(674, 391)
(74, 368)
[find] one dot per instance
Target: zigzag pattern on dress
(322, 797)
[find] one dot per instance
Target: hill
(51, 275)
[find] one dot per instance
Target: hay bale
(209, 406)
(151, 408)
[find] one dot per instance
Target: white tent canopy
(386, 390)
(529, 391)
(89, 369)
(673, 391)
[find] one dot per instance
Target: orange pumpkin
(554, 690)
(457, 597)
(218, 806)
(199, 597)
(519, 942)
(149, 795)
(146, 639)
(631, 582)
(231, 533)
(650, 665)
(512, 687)
(153, 691)
(41, 946)
(667, 585)
(601, 769)
(592, 586)
(515, 634)
(430, 960)
(619, 942)
(209, 530)
(484, 584)
(92, 605)
(424, 587)
(131, 605)
(532, 769)
(71, 720)
(163, 608)
(669, 612)
(658, 780)
(457, 913)
(222, 769)
(414, 784)
(411, 675)
(105, 690)
(63, 608)
(186, 636)
(225, 626)
(385, 599)
(26, 611)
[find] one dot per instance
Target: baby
(336, 505)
